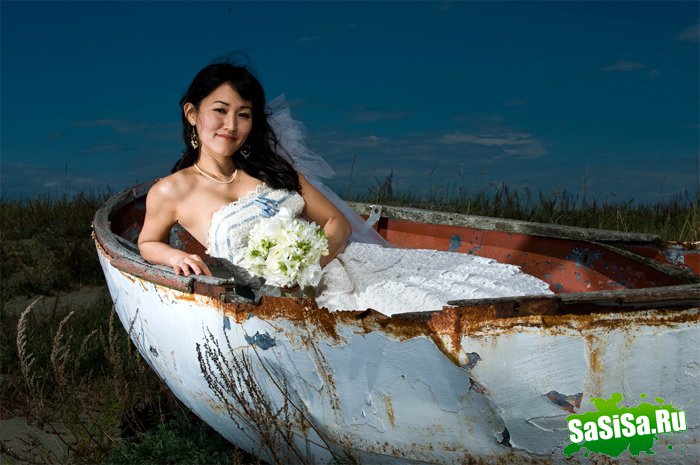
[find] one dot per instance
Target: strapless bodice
(230, 225)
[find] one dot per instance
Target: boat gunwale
(237, 290)
(488, 223)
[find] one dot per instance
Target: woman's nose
(230, 122)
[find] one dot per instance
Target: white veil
(292, 147)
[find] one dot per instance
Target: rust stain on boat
(594, 363)
(389, 410)
(562, 324)
(446, 327)
(305, 310)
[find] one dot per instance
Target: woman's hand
(188, 264)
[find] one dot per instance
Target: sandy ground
(31, 442)
(83, 297)
(17, 433)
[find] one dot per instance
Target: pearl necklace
(209, 176)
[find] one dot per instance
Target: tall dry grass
(676, 218)
(46, 245)
(75, 377)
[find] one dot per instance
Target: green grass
(182, 440)
(676, 218)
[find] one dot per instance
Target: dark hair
(263, 163)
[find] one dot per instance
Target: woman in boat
(241, 164)
(231, 155)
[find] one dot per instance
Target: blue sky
(601, 96)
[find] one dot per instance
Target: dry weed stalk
(34, 391)
(111, 349)
(64, 420)
(232, 381)
(88, 435)
(231, 375)
(60, 352)
(81, 411)
(83, 350)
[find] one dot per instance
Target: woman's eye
(244, 115)
(220, 110)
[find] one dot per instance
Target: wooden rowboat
(478, 381)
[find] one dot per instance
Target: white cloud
(692, 34)
(366, 142)
(522, 145)
(534, 150)
(371, 116)
(624, 66)
(413, 156)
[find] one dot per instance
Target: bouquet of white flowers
(286, 250)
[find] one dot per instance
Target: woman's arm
(320, 210)
(161, 215)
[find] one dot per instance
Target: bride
(241, 164)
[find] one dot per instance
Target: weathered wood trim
(669, 296)
(686, 294)
(682, 275)
(505, 225)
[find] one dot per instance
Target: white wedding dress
(389, 280)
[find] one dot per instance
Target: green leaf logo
(614, 428)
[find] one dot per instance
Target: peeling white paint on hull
(496, 392)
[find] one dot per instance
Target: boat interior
(571, 260)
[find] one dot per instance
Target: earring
(194, 140)
(245, 151)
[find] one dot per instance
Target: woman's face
(223, 121)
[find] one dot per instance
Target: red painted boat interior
(687, 259)
(567, 265)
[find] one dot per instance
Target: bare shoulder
(302, 180)
(172, 188)
(306, 186)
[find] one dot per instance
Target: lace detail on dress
(230, 225)
(243, 198)
(405, 280)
